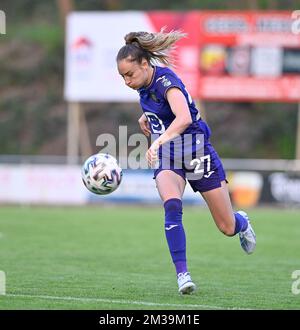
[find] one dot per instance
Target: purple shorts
(210, 176)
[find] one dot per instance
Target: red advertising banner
(237, 55)
(248, 56)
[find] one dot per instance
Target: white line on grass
(119, 301)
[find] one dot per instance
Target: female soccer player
(170, 113)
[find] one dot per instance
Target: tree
(64, 7)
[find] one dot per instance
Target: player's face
(135, 75)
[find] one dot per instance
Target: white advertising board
(93, 40)
(62, 185)
(41, 184)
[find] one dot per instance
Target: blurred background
(242, 67)
(62, 247)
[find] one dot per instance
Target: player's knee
(173, 210)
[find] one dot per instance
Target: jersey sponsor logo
(165, 81)
(155, 122)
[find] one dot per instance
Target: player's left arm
(183, 119)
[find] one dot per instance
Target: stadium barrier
(26, 180)
(62, 185)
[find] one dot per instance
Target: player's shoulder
(164, 71)
(166, 77)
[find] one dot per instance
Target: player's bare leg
(228, 222)
(169, 185)
(219, 204)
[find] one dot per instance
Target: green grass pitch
(116, 257)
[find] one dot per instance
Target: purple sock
(175, 233)
(181, 267)
(241, 223)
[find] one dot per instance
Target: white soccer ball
(101, 174)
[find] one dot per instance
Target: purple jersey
(154, 102)
(190, 155)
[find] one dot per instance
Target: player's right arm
(182, 120)
(144, 125)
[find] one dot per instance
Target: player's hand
(152, 154)
(144, 125)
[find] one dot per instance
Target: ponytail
(151, 46)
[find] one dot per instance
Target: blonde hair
(151, 46)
